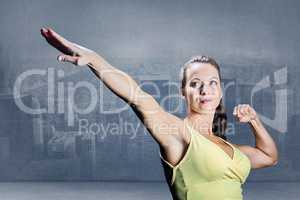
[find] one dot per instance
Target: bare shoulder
(166, 128)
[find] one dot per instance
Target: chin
(205, 110)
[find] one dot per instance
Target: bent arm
(263, 140)
(265, 153)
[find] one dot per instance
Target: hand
(244, 113)
(72, 52)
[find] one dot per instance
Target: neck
(203, 123)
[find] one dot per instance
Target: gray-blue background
(252, 41)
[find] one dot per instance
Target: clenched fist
(244, 113)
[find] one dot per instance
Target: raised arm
(264, 154)
(163, 126)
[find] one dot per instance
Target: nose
(203, 89)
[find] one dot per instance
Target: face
(203, 90)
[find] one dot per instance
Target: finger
(44, 32)
(57, 36)
(67, 58)
(82, 61)
(239, 111)
(57, 41)
(71, 45)
(247, 108)
(243, 109)
(235, 110)
(80, 48)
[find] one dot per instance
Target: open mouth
(205, 101)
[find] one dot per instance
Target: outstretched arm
(264, 153)
(156, 120)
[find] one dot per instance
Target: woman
(199, 163)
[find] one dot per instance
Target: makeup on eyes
(193, 82)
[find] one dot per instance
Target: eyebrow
(212, 77)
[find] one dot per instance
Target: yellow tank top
(206, 171)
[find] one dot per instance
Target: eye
(213, 82)
(194, 84)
